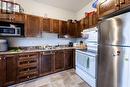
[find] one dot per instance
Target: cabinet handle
(117, 5)
(122, 2)
(0, 58)
(28, 77)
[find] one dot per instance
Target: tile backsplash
(46, 39)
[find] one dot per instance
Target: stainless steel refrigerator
(114, 52)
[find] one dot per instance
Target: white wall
(40, 9)
(88, 8)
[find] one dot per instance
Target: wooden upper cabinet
(19, 18)
(108, 6)
(55, 26)
(63, 28)
(124, 3)
(46, 24)
(33, 26)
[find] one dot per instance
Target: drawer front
(26, 70)
(28, 76)
(27, 66)
(27, 62)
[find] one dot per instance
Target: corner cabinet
(33, 26)
(108, 6)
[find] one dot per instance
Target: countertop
(28, 51)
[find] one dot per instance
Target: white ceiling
(72, 5)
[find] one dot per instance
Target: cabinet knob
(0, 58)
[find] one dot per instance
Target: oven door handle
(88, 62)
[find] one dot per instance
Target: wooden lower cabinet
(27, 66)
(46, 63)
(2, 70)
(59, 61)
(11, 69)
(22, 67)
(68, 59)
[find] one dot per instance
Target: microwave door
(8, 31)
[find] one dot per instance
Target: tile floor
(66, 78)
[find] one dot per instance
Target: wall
(88, 8)
(35, 8)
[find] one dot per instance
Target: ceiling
(72, 5)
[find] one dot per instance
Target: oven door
(91, 65)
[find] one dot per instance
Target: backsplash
(46, 39)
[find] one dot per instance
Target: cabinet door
(107, 7)
(19, 18)
(82, 24)
(2, 71)
(47, 25)
(69, 59)
(55, 26)
(59, 61)
(63, 28)
(11, 69)
(32, 26)
(46, 63)
(86, 22)
(124, 3)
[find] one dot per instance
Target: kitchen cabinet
(47, 24)
(92, 19)
(82, 24)
(55, 26)
(86, 22)
(46, 63)
(19, 18)
(69, 59)
(11, 69)
(71, 28)
(59, 61)
(63, 28)
(2, 70)
(27, 66)
(14, 18)
(108, 6)
(33, 26)
(124, 3)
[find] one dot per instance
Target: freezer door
(113, 66)
(115, 30)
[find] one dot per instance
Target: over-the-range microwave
(10, 31)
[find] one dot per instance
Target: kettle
(70, 44)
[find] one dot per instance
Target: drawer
(27, 70)
(28, 76)
(26, 56)
(25, 62)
